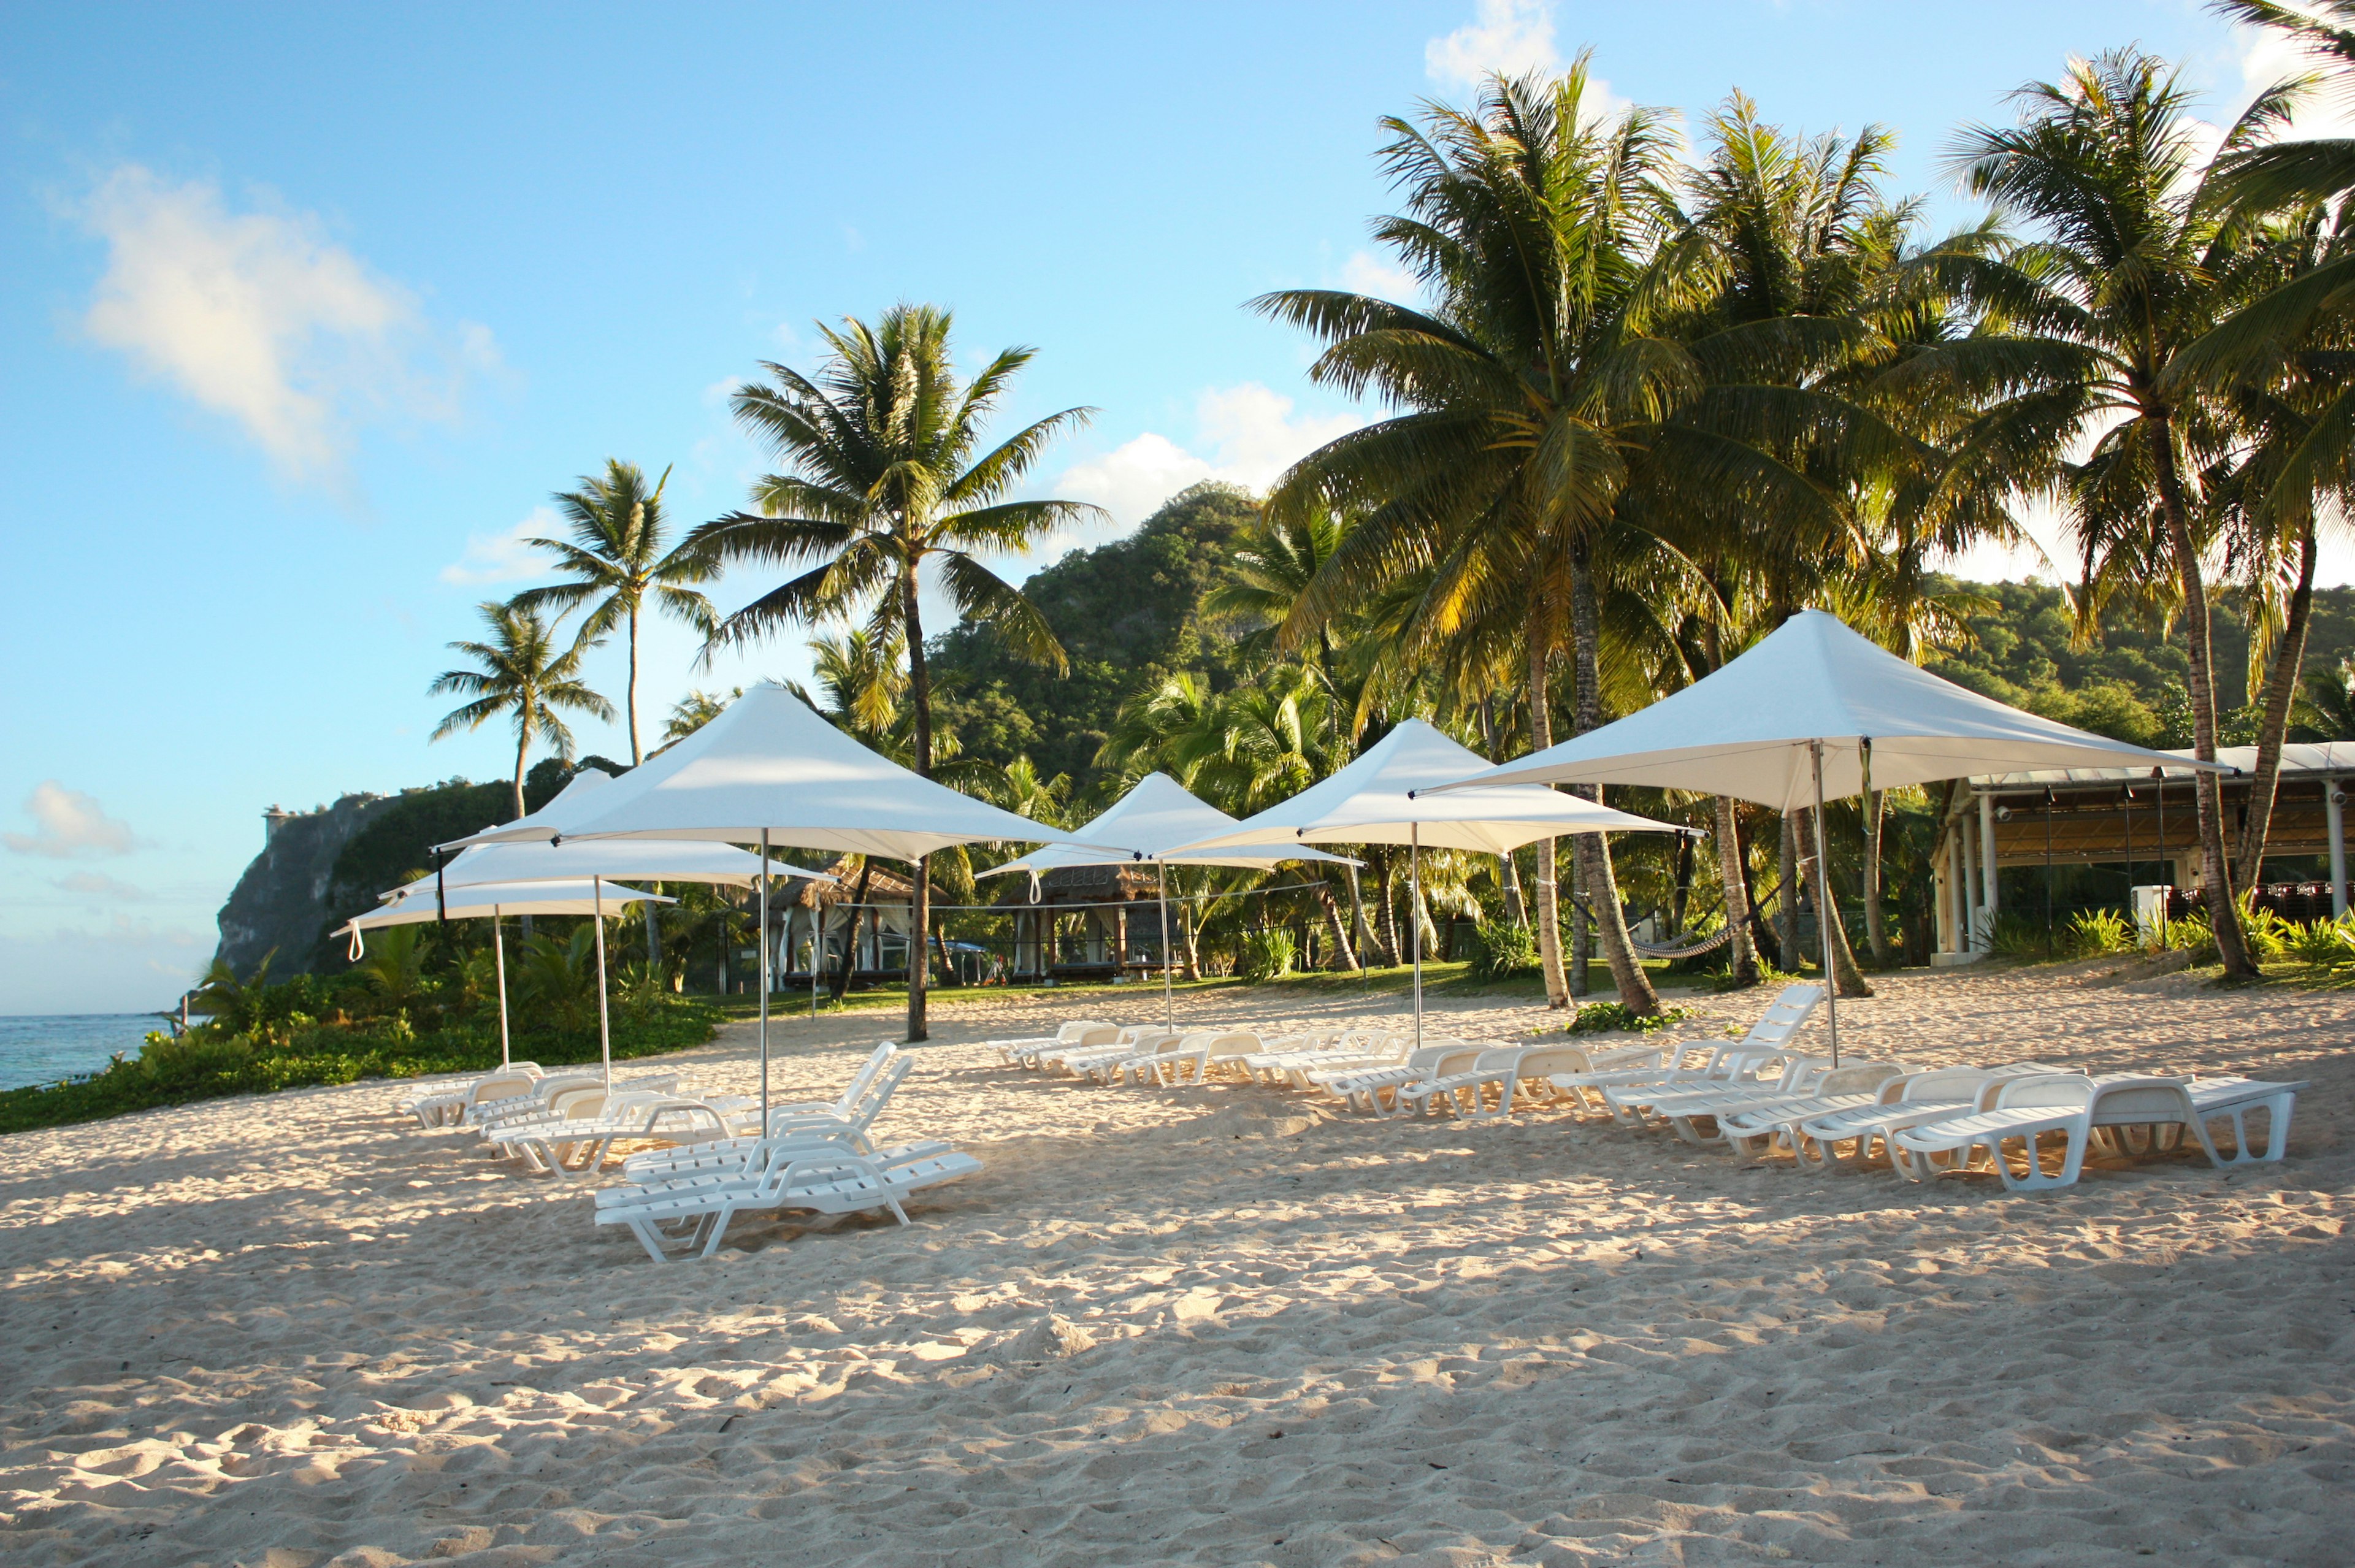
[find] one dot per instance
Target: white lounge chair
(1363, 1088)
(565, 1149)
(1185, 1060)
(1748, 1075)
(1751, 1131)
(672, 1222)
(845, 1121)
(445, 1104)
(1930, 1096)
(1014, 1053)
(2026, 1111)
(2232, 1099)
(1464, 1090)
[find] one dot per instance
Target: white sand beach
(1222, 1326)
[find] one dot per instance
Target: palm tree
(2136, 266)
(887, 484)
(519, 673)
(615, 557)
(1532, 397)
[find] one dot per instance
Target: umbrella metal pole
(1826, 910)
(604, 1023)
(1168, 1003)
(1414, 918)
(499, 960)
(764, 982)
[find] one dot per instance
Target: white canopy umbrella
(1150, 821)
(600, 860)
(420, 901)
(769, 771)
(1380, 799)
(1813, 710)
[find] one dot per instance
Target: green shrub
(2096, 932)
(1266, 955)
(2265, 933)
(2017, 936)
(1502, 949)
(1601, 1018)
(2190, 934)
(2324, 943)
(208, 1063)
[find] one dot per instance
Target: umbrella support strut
(1168, 1003)
(1827, 910)
(1414, 918)
(604, 1022)
(499, 959)
(764, 980)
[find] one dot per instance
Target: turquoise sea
(46, 1048)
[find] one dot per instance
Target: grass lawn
(1438, 980)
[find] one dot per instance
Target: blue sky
(308, 309)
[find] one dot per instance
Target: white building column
(1958, 857)
(2335, 813)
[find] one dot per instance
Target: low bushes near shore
(391, 1017)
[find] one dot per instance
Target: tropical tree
(1543, 389)
(519, 673)
(2136, 265)
(616, 558)
(888, 489)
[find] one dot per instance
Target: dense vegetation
(416, 1004)
(1646, 398)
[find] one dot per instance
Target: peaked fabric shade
(1746, 730)
(1377, 800)
(414, 903)
(771, 766)
(1149, 823)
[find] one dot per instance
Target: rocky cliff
(281, 900)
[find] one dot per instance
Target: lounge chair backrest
(1785, 1015)
(2074, 1090)
(1947, 1083)
(1538, 1061)
(501, 1086)
(851, 1095)
(880, 1088)
(1217, 1039)
(1858, 1078)
(1087, 1031)
(2161, 1099)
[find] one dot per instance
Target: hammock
(1710, 943)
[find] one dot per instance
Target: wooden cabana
(1090, 922)
(873, 928)
(2144, 820)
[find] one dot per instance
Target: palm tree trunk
(636, 758)
(1876, 928)
(523, 750)
(1743, 963)
(1847, 980)
(1346, 955)
(920, 693)
(840, 986)
(2289, 659)
(1786, 898)
(2223, 910)
(1390, 912)
(1636, 993)
(1548, 903)
(1515, 911)
(1581, 937)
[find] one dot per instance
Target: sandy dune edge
(1215, 1327)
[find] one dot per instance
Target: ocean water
(44, 1050)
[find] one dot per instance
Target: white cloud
(2267, 57)
(70, 824)
(257, 317)
(1367, 274)
(1250, 433)
(1507, 36)
(91, 884)
(505, 557)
